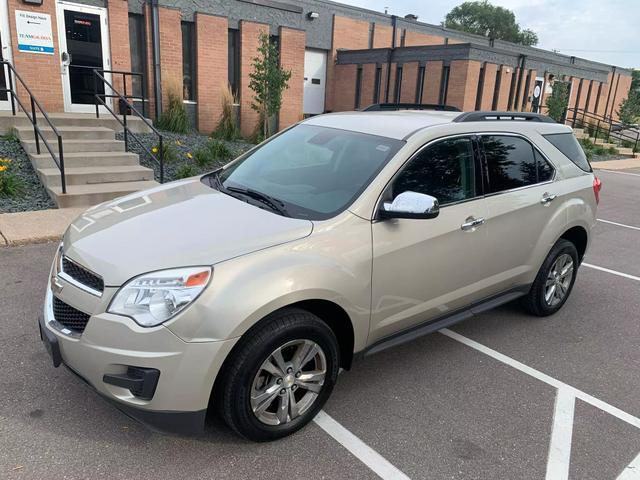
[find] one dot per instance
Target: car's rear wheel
(279, 376)
(554, 281)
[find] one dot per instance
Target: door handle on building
(471, 224)
(547, 198)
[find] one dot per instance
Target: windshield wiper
(268, 200)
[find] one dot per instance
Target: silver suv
(246, 290)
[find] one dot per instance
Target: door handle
(547, 198)
(471, 224)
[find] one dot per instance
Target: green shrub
(10, 184)
(11, 136)
(186, 171)
(219, 150)
(169, 153)
(174, 118)
(202, 157)
(558, 100)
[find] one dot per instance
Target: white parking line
(363, 452)
(632, 472)
(618, 224)
(543, 377)
(560, 445)
(620, 173)
(612, 272)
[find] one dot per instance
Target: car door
(523, 208)
(427, 268)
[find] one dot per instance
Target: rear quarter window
(570, 148)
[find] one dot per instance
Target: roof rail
(496, 116)
(378, 107)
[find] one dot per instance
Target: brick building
(341, 58)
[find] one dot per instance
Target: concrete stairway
(97, 167)
(581, 134)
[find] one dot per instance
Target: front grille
(82, 275)
(68, 316)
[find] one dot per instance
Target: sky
(606, 31)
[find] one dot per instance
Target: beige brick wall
(489, 85)
(409, 82)
(463, 84)
(368, 84)
(505, 86)
(345, 87)
(170, 52)
(412, 39)
(249, 41)
(118, 12)
(212, 75)
(433, 75)
(292, 44)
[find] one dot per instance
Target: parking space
(480, 402)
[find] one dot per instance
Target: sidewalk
(617, 164)
(35, 227)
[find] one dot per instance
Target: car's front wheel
(554, 281)
(279, 376)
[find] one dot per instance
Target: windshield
(311, 172)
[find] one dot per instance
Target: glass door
(84, 46)
(5, 54)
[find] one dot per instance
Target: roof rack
(378, 107)
(499, 116)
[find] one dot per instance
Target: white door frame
(61, 6)
(7, 54)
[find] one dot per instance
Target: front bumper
(111, 344)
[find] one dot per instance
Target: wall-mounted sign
(34, 32)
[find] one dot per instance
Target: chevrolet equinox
(246, 290)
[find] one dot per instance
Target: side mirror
(411, 205)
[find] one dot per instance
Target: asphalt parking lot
(503, 396)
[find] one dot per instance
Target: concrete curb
(35, 227)
(617, 164)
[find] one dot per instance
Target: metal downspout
(155, 46)
(394, 19)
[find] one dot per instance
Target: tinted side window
(569, 146)
(510, 162)
(545, 170)
(444, 170)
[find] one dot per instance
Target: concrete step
(578, 131)
(581, 136)
(76, 146)
(85, 195)
(8, 121)
(627, 152)
(86, 159)
(69, 133)
(50, 177)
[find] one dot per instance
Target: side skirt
(433, 325)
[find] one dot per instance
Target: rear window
(569, 146)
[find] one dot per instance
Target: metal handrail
(604, 125)
(37, 132)
(100, 99)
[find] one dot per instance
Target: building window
(444, 86)
(376, 85)
(420, 84)
(358, 86)
(398, 89)
(234, 61)
(496, 90)
(483, 69)
(188, 61)
(138, 51)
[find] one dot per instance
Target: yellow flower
(154, 150)
(5, 160)
(178, 142)
(3, 168)
(189, 155)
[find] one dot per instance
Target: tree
(630, 108)
(267, 80)
(482, 18)
(558, 100)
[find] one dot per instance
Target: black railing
(605, 128)
(126, 108)
(31, 113)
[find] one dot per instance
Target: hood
(179, 224)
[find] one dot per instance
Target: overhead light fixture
(313, 15)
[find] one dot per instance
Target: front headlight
(154, 298)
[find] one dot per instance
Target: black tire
(534, 302)
(233, 390)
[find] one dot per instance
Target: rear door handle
(471, 224)
(547, 198)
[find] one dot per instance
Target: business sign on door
(34, 32)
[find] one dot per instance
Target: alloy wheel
(558, 280)
(288, 382)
